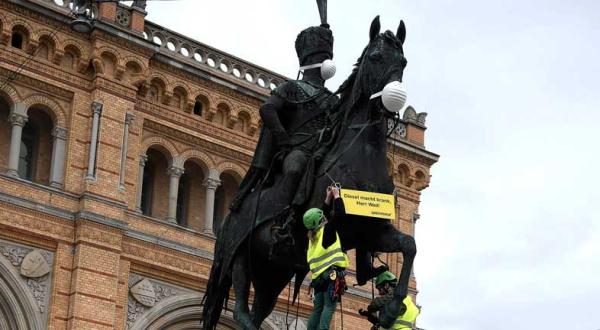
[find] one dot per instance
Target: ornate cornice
(36, 84)
(198, 142)
(226, 91)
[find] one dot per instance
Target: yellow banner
(369, 204)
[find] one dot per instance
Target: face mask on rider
(327, 69)
(393, 96)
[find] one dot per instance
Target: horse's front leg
(392, 240)
(241, 287)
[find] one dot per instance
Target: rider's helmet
(384, 278)
(312, 218)
(314, 40)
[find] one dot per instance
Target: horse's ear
(401, 34)
(375, 27)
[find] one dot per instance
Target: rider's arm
(269, 113)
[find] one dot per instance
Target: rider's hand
(363, 312)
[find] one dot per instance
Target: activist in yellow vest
(320, 259)
(407, 320)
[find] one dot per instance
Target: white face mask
(327, 68)
(393, 96)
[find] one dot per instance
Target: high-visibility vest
(320, 259)
(406, 320)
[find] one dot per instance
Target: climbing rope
(342, 313)
(287, 308)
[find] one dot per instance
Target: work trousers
(322, 312)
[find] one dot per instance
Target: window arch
(222, 115)
(45, 49)
(19, 37)
(5, 133)
(223, 197)
(36, 147)
(201, 105)
(155, 185)
(192, 195)
(71, 58)
(404, 175)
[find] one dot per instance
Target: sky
(509, 234)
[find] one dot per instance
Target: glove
(363, 312)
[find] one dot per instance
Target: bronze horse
(357, 160)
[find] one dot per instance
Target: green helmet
(384, 277)
(312, 218)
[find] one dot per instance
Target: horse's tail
(217, 290)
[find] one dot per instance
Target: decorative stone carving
(421, 117)
(139, 4)
(175, 171)
(143, 160)
(60, 133)
(34, 265)
(410, 114)
(129, 117)
(17, 119)
(144, 293)
(97, 107)
(287, 323)
(211, 183)
(39, 287)
(135, 307)
(14, 254)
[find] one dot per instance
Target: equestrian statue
(312, 138)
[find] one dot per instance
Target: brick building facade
(119, 153)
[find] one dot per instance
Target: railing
(205, 56)
(193, 52)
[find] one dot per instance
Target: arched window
(17, 40)
(19, 37)
(28, 139)
(155, 187)
(191, 199)
(36, 147)
(201, 105)
(198, 108)
(219, 209)
(5, 133)
(147, 186)
(223, 197)
(182, 200)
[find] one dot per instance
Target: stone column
(138, 198)
(174, 175)
(128, 120)
(211, 183)
(57, 166)
(97, 109)
(18, 118)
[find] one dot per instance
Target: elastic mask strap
(312, 66)
(376, 95)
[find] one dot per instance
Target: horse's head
(381, 62)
